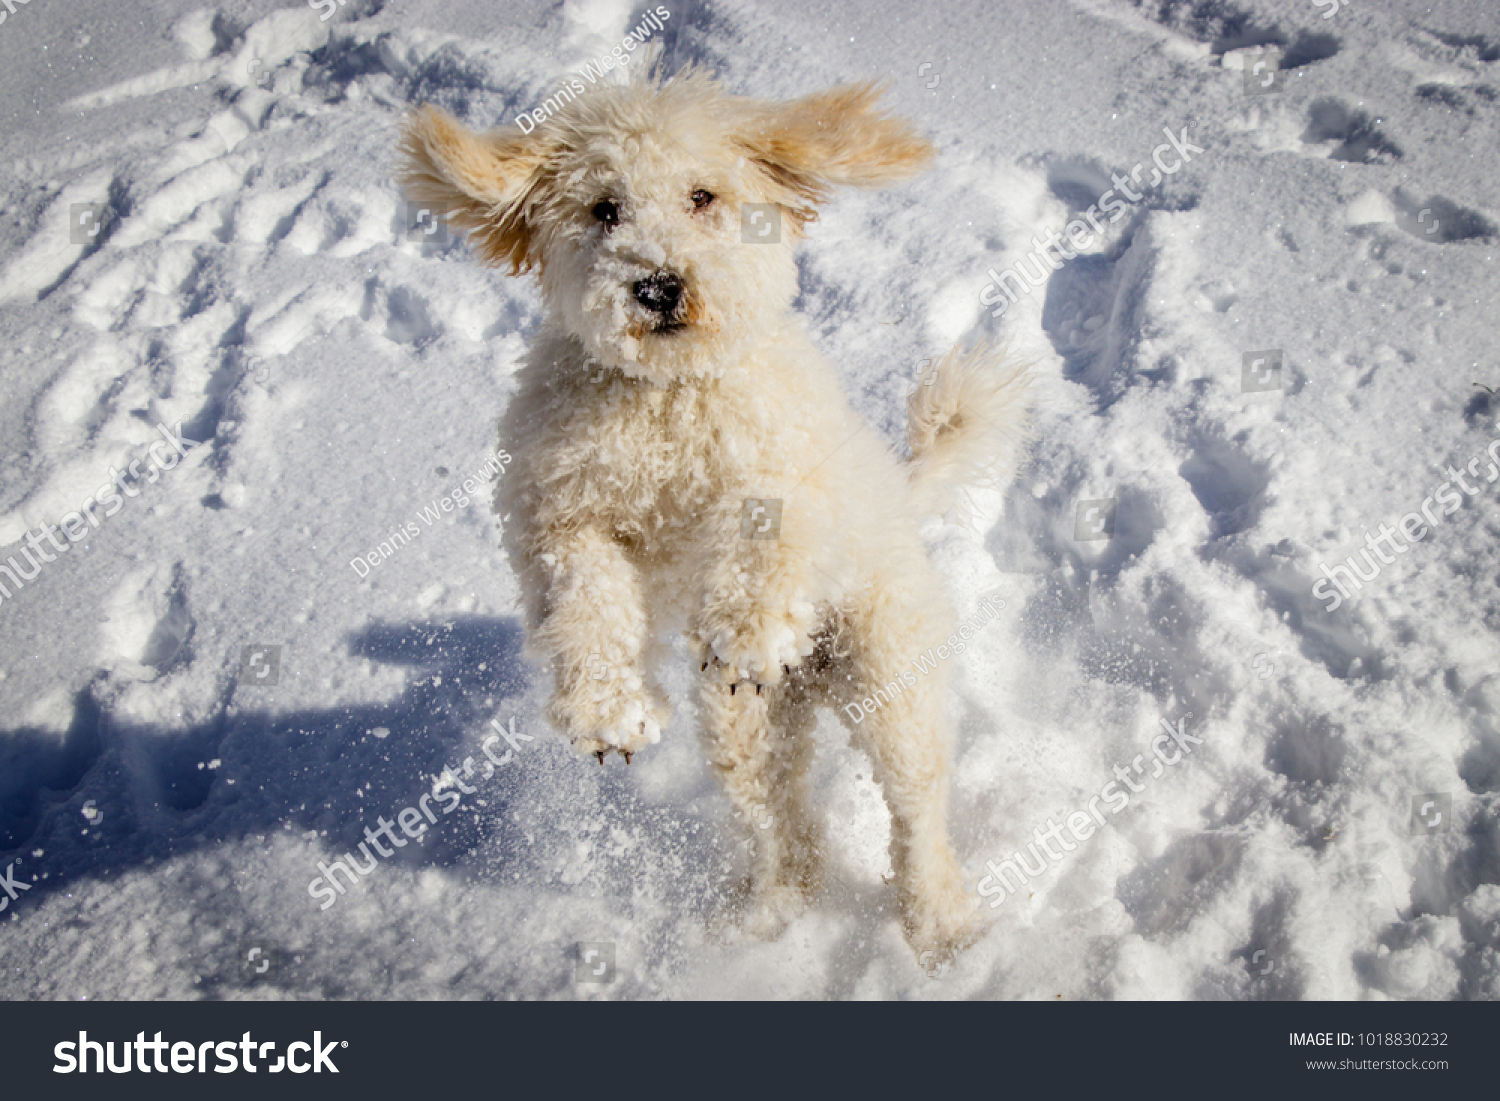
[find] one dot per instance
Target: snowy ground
(248, 274)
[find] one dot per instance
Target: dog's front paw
(597, 748)
(732, 677)
(760, 647)
(623, 725)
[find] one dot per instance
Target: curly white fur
(641, 427)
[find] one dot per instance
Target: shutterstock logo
(595, 962)
(1264, 77)
(1261, 371)
(760, 223)
(423, 223)
(1431, 812)
(1095, 519)
(85, 219)
(760, 518)
(98, 1057)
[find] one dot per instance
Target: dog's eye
(702, 198)
(608, 212)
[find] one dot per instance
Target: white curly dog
(686, 460)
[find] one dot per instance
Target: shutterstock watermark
(760, 518)
(996, 292)
(1260, 371)
(72, 525)
(411, 819)
(1431, 813)
(1083, 825)
(1094, 519)
(760, 223)
(594, 962)
(12, 889)
(1348, 578)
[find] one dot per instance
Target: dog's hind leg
(799, 829)
(760, 746)
(906, 738)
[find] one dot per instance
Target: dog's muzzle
(661, 293)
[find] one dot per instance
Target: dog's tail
(966, 425)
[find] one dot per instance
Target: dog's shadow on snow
(112, 795)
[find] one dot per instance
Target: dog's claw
(724, 671)
(600, 754)
(626, 756)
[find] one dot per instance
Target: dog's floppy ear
(482, 183)
(830, 139)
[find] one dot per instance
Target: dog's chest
(649, 458)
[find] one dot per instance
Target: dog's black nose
(659, 293)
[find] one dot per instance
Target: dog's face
(639, 240)
(635, 205)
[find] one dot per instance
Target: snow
(251, 284)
